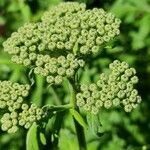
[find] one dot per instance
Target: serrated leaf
(32, 140)
(94, 124)
(78, 118)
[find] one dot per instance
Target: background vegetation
(122, 131)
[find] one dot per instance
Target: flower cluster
(18, 113)
(68, 27)
(113, 89)
(65, 30)
(86, 29)
(53, 68)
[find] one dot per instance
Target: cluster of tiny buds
(63, 28)
(111, 90)
(18, 113)
(53, 68)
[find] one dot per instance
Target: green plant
(58, 48)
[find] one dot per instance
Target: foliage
(112, 129)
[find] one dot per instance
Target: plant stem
(78, 127)
(80, 135)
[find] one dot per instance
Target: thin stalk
(37, 94)
(78, 127)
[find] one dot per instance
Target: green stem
(54, 94)
(15, 75)
(78, 127)
(57, 108)
(38, 92)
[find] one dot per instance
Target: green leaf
(94, 124)
(75, 48)
(31, 76)
(32, 140)
(42, 138)
(78, 118)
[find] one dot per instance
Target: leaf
(42, 138)
(94, 124)
(32, 140)
(31, 76)
(78, 118)
(75, 48)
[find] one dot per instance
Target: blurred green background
(123, 131)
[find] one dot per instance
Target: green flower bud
(70, 72)
(81, 62)
(129, 72)
(27, 125)
(25, 107)
(100, 83)
(61, 71)
(68, 45)
(13, 115)
(134, 80)
(80, 102)
(99, 103)
(121, 94)
(125, 101)
(61, 59)
(103, 77)
(3, 104)
(84, 49)
(22, 122)
(58, 79)
(70, 57)
(90, 100)
(129, 86)
(86, 94)
(95, 49)
(16, 105)
(74, 64)
(39, 111)
(96, 94)
(60, 45)
(134, 92)
(124, 78)
(132, 98)
(26, 62)
(103, 97)
(87, 107)
(23, 55)
(79, 96)
(14, 122)
(125, 65)
(107, 104)
(84, 87)
(13, 129)
(110, 95)
(128, 108)
(94, 110)
(92, 87)
(38, 63)
(99, 40)
(51, 46)
(122, 85)
(116, 101)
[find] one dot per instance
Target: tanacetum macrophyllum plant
(57, 48)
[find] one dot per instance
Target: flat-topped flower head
(66, 30)
(111, 90)
(63, 28)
